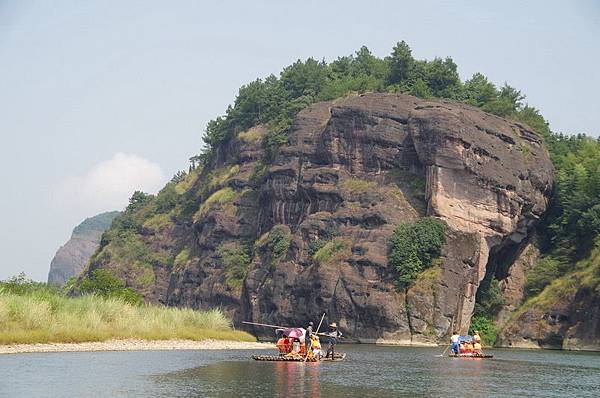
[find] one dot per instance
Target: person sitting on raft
(285, 345)
(333, 334)
(466, 347)
(295, 348)
(477, 343)
(315, 347)
(454, 340)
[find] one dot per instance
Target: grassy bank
(40, 314)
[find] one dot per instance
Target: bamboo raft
(297, 358)
(469, 356)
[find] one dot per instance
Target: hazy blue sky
(100, 98)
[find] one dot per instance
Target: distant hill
(70, 258)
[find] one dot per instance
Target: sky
(98, 99)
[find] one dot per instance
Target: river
(368, 371)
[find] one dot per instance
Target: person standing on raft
(333, 334)
(477, 343)
(454, 340)
(309, 330)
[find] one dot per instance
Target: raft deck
(285, 358)
(470, 356)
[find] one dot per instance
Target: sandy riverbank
(135, 345)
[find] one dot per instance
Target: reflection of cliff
(70, 258)
(307, 232)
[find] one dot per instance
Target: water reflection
(249, 378)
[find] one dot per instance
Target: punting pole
(265, 325)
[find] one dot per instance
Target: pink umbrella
(297, 333)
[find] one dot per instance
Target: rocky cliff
(70, 258)
(306, 231)
(565, 315)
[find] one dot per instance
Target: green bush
(218, 198)
(413, 247)
(357, 185)
(278, 241)
(236, 260)
(103, 283)
(329, 250)
(181, 259)
(20, 285)
(545, 271)
(275, 243)
(315, 245)
(487, 329)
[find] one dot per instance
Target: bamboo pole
(265, 325)
(442, 354)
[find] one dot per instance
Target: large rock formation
(489, 179)
(352, 170)
(70, 258)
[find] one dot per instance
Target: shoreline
(208, 344)
(134, 345)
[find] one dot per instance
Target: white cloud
(108, 185)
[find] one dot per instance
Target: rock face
(314, 222)
(512, 284)
(70, 258)
(566, 315)
(489, 179)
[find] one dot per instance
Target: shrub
(356, 185)
(487, 329)
(546, 270)
(159, 222)
(103, 283)
(413, 247)
(236, 260)
(278, 241)
(20, 284)
(181, 259)
(275, 243)
(220, 197)
(253, 134)
(188, 182)
(220, 176)
(315, 245)
(327, 252)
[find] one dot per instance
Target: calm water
(368, 371)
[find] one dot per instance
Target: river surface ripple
(368, 371)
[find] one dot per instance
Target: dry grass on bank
(45, 316)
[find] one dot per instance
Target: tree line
(275, 100)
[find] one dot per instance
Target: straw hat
(333, 325)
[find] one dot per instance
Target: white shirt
(454, 338)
